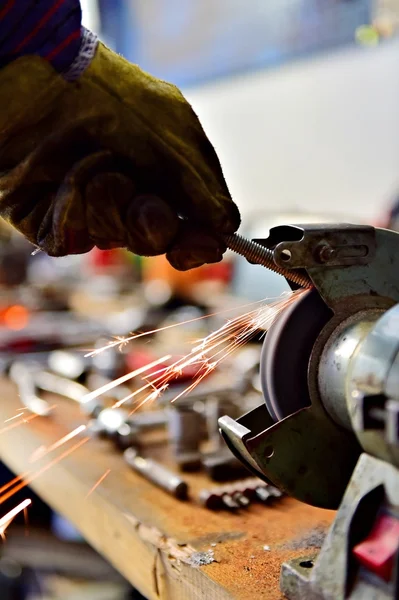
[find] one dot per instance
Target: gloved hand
(115, 159)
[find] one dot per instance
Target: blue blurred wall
(238, 36)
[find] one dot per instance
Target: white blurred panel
(317, 135)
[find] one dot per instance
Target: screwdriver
(257, 254)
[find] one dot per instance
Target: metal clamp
(335, 245)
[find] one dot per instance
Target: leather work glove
(114, 159)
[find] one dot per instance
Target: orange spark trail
(13, 482)
(137, 392)
(24, 420)
(121, 341)
(149, 398)
(39, 453)
(42, 450)
(112, 384)
(13, 425)
(14, 417)
(227, 338)
(207, 353)
(6, 520)
(95, 486)
(26, 521)
(214, 348)
(31, 477)
(19, 412)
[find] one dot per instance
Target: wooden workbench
(149, 536)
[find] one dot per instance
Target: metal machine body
(328, 432)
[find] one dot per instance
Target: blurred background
(299, 96)
(300, 99)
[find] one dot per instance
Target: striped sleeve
(48, 28)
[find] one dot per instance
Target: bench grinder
(328, 430)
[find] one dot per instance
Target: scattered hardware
(114, 424)
(185, 436)
(239, 494)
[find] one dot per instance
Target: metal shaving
(198, 559)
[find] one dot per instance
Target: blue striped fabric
(48, 28)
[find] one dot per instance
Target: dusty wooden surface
(145, 533)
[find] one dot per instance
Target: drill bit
(259, 255)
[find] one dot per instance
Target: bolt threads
(259, 255)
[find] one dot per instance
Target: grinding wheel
(286, 353)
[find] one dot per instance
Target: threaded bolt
(259, 255)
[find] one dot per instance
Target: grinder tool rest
(328, 431)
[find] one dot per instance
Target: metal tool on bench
(114, 424)
(193, 419)
(31, 378)
(328, 431)
(21, 374)
(185, 435)
(86, 370)
(58, 372)
(158, 474)
(238, 494)
(122, 428)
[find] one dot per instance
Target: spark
(149, 398)
(24, 420)
(26, 521)
(14, 417)
(42, 450)
(29, 477)
(121, 341)
(112, 384)
(209, 352)
(6, 520)
(233, 334)
(95, 486)
(150, 384)
(6, 486)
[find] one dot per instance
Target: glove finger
(31, 188)
(27, 207)
(151, 225)
(54, 157)
(209, 200)
(89, 208)
(65, 226)
(107, 197)
(195, 175)
(217, 213)
(192, 200)
(193, 248)
(63, 229)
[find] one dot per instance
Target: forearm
(48, 28)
